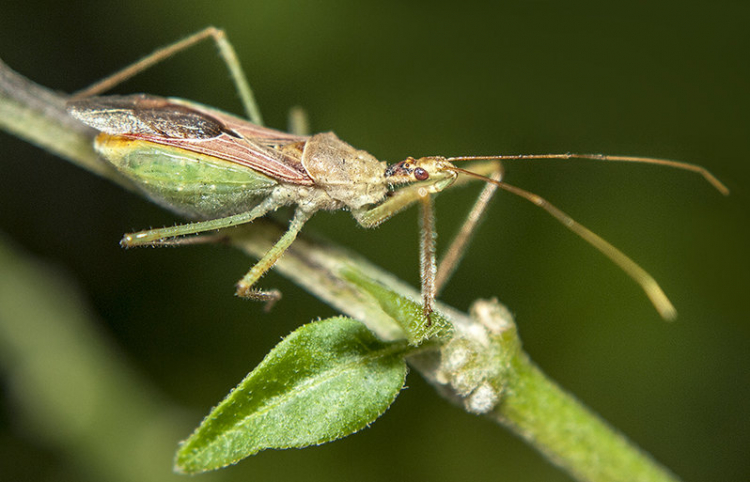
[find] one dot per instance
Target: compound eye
(420, 174)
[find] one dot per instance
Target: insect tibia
(143, 238)
(130, 240)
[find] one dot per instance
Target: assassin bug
(226, 171)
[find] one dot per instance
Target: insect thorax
(351, 176)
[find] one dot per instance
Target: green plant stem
(532, 406)
(549, 418)
(37, 115)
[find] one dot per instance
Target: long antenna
(602, 157)
(645, 280)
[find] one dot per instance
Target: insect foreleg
(406, 196)
(166, 236)
(244, 286)
(427, 256)
(431, 278)
(375, 215)
(226, 51)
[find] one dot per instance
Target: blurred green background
(662, 79)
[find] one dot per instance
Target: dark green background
(661, 79)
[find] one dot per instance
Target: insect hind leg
(226, 51)
(174, 234)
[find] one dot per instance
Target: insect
(225, 171)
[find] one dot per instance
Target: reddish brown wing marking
(242, 152)
(197, 129)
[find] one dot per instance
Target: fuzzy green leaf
(326, 380)
(407, 313)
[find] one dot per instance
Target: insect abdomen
(188, 183)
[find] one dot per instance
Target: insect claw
(427, 313)
(269, 297)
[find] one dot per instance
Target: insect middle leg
(175, 235)
(455, 252)
(244, 286)
(226, 51)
